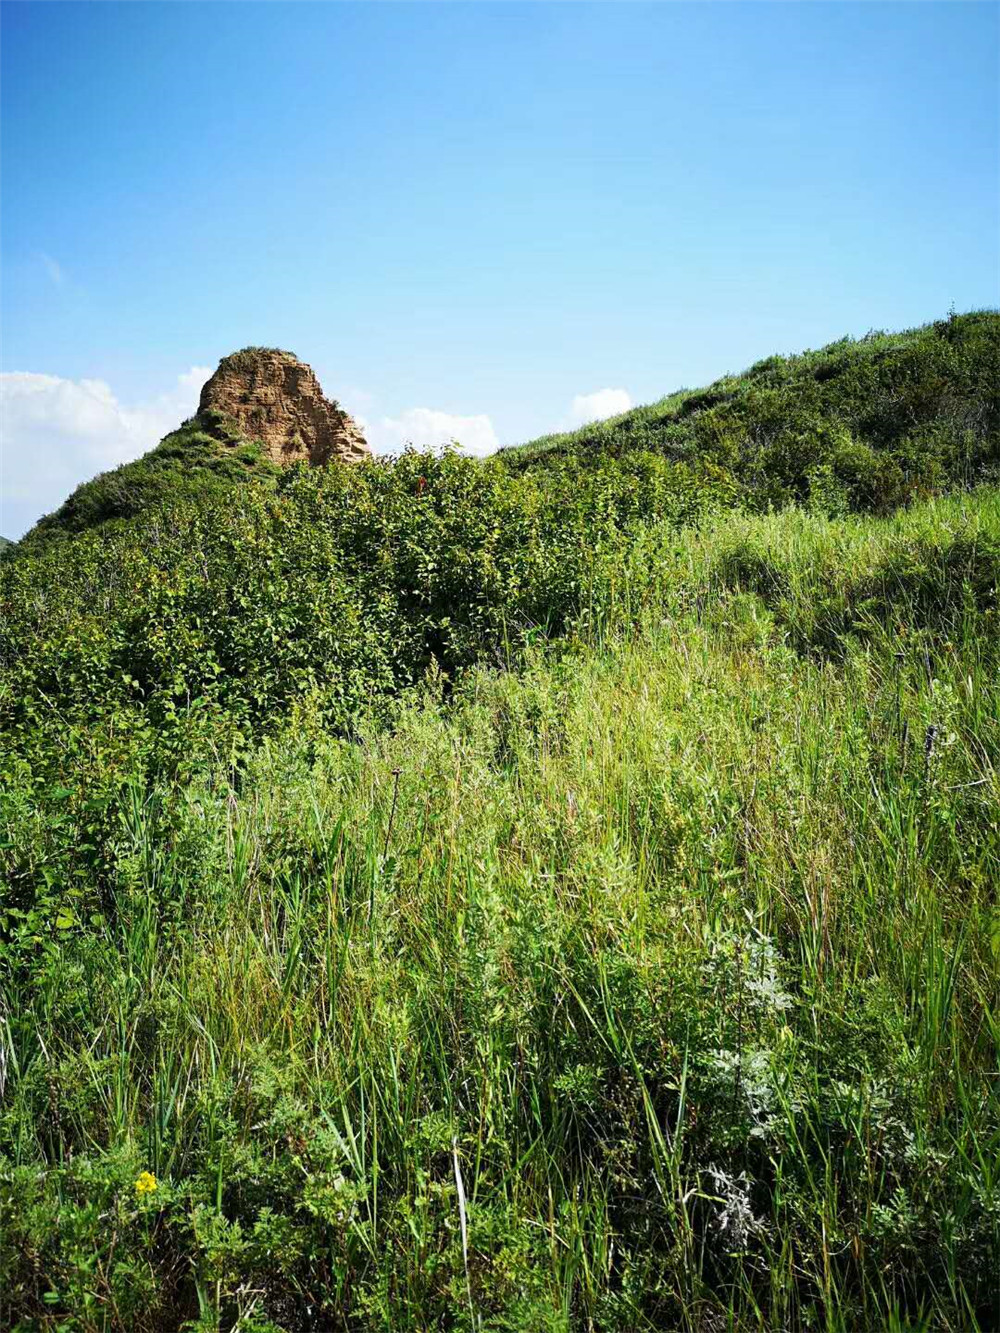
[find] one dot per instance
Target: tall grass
(651, 986)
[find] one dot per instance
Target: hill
(873, 421)
(863, 425)
(260, 411)
(548, 892)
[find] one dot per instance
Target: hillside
(863, 424)
(872, 421)
(202, 460)
(549, 892)
(260, 411)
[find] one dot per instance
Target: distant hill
(876, 417)
(861, 424)
(262, 410)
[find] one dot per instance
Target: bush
(350, 978)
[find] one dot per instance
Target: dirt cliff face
(275, 398)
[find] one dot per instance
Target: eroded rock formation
(275, 398)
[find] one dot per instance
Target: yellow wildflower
(145, 1184)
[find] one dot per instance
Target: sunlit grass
(680, 944)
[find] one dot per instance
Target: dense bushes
(352, 981)
(649, 986)
(340, 587)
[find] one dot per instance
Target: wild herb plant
(446, 894)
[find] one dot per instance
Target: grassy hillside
(541, 893)
(866, 424)
(203, 459)
(862, 425)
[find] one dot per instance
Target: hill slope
(856, 425)
(873, 421)
(531, 893)
(203, 459)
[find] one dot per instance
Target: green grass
(202, 460)
(866, 423)
(554, 892)
(650, 985)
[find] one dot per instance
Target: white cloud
(587, 407)
(426, 428)
(55, 433)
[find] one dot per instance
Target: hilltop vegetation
(554, 892)
(863, 424)
(202, 460)
(858, 425)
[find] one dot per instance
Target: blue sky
(487, 220)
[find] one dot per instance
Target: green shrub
(921, 410)
(548, 896)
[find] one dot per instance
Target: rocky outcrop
(275, 398)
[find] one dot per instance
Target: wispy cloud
(356, 400)
(53, 268)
